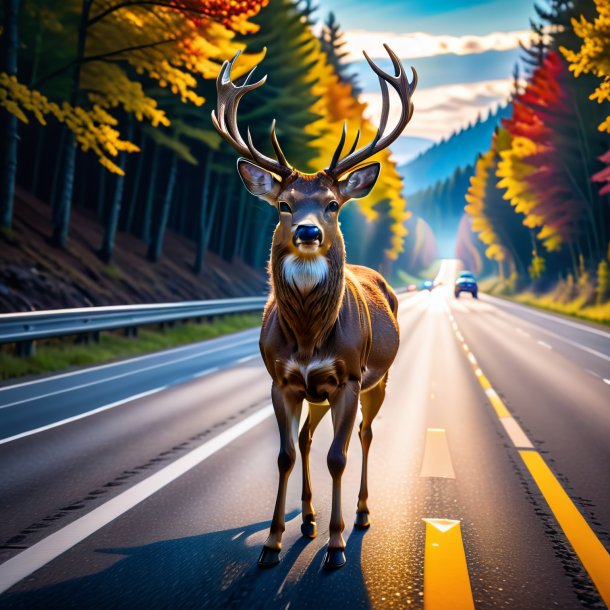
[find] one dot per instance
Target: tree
(331, 39)
(9, 44)
(117, 48)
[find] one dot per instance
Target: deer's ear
(259, 181)
(360, 182)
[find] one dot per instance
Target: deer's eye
(284, 207)
(333, 206)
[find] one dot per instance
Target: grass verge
(58, 354)
(574, 308)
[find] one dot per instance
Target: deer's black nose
(307, 234)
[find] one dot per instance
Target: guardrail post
(131, 331)
(24, 349)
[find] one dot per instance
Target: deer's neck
(308, 294)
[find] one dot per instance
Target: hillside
(441, 160)
(36, 275)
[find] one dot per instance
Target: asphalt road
(163, 501)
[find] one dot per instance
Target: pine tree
(331, 39)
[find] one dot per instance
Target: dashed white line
(111, 405)
(545, 345)
(126, 374)
(82, 415)
(99, 367)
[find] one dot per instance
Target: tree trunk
(8, 121)
(240, 223)
(155, 247)
(135, 189)
(117, 201)
(101, 196)
(228, 212)
(62, 217)
(37, 159)
(150, 197)
(203, 213)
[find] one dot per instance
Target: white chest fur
(305, 272)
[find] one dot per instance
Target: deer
(329, 329)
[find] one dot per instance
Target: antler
(405, 90)
(229, 96)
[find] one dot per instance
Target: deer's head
(308, 205)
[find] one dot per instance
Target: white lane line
(126, 374)
(214, 369)
(607, 381)
(593, 373)
(515, 433)
(472, 359)
(111, 405)
(522, 332)
(557, 319)
(584, 348)
(437, 459)
(99, 367)
(41, 553)
(246, 358)
(543, 344)
(82, 415)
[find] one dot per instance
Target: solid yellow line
(594, 557)
(446, 580)
(496, 403)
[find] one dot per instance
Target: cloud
(420, 44)
(439, 111)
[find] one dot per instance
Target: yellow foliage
(475, 208)
(593, 57)
(337, 105)
(170, 45)
(513, 171)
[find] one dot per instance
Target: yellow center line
(496, 403)
(446, 580)
(591, 552)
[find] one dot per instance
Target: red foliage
(223, 11)
(544, 114)
(604, 175)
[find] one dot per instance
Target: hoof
(362, 521)
(334, 559)
(268, 558)
(309, 530)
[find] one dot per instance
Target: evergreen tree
(331, 39)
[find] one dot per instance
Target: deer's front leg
(287, 409)
(343, 410)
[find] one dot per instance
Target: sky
(464, 53)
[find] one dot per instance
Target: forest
(106, 109)
(539, 199)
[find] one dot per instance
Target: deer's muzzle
(307, 234)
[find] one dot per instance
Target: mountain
(440, 161)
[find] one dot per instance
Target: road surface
(151, 483)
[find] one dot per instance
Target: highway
(150, 483)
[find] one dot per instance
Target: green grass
(574, 308)
(59, 354)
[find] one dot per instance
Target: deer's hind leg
(314, 417)
(371, 402)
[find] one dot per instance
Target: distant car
(466, 282)
(426, 285)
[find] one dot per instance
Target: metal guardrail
(25, 327)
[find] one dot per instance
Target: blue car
(466, 282)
